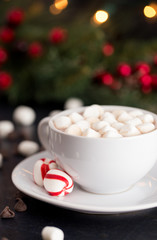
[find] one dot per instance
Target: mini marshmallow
(108, 117)
(146, 127)
(27, 148)
(62, 122)
(24, 115)
(75, 117)
(92, 120)
(52, 233)
(99, 125)
(58, 183)
(40, 169)
(91, 112)
(117, 125)
(91, 133)
(83, 125)
(107, 128)
(111, 134)
(73, 103)
(6, 127)
(1, 160)
(99, 108)
(123, 117)
(117, 112)
(54, 112)
(147, 118)
(73, 130)
(129, 130)
(134, 121)
(135, 113)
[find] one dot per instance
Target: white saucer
(143, 195)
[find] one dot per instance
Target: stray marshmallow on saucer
(52, 233)
(96, 122)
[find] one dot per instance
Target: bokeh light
(61, 4)
(100, 16)
(53, 10)
(149, 12)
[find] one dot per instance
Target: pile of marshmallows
(96, 122)
(47, 174)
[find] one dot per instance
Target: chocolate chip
(20, 206)
(7, 213)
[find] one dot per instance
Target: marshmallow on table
(73, 129)
(124, 116)
(129, 130)
(135, 113)
(6, 127)
(52, 233)
(146, 127)
(58, 183)
(83, 125)
(73, 103)
(108, 117)
(24, 115)
(27, 148)
(99, 125)
(147, 118)
(75, 117)
(41, 167)
(1, 160)
(62, 122)
(91, 133)
(111, 134)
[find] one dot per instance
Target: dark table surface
(140, 225)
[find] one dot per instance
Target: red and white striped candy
(41, 167)
(58, 183)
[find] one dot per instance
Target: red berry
(124, 70)
(107, 79)
(146, 80)
(5, 80)
(35, 50)
(3, 55)
(57, 35)
(15, 17)
(142, 68)
(6, 35)
(108, 49)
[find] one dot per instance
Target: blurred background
(102, 52)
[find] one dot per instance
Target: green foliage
(67, 69)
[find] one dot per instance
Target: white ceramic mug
(101, 165)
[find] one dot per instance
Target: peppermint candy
(41, 167)
(58, 183)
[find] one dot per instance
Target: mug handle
(43, 132)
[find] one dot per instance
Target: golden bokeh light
(61, 4)
(53, 10)
(100, 16)
(149, 12)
